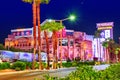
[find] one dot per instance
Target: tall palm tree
(97, 36)
(109, 45)
(105, 45)
(116, 49)
(45, 29)
(53, 27)
(36, 16)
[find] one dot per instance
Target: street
(31, 75)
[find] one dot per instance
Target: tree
(116, 50)
(105, 45)
(109, 45)
(98, 36)
(36, 16)
(2, 47)
(45, 29)
(53, 27)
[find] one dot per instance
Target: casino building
(106, 32)
(74, 43)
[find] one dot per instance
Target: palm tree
(53, 27)
(36, 16)
(2, 47)
(45, 29)
(109, 45)
(116, 50)
(105, 45)
(97, 36)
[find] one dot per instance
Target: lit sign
(99, 28)
(105, 24)
(107, 33)
(22, 33)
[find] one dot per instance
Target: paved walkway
(101, 67)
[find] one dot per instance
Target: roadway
(32, 74)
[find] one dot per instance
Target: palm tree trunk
(108, 59)
(74, 48)
(97, 48)
(100, 50)
(54, 50)
(68, 47)
(105, 54)
(34, 32)
(39, 37)
(61, 49)
(47, 45)
(116, 57)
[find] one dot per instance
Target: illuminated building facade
(106, 31)
(74, 44)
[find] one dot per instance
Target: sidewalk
(101, 67)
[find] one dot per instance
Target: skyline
(18, 14)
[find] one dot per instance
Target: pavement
(33, 71)
(96, 67)
(101, 67)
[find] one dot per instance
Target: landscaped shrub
(17, 69)
(114, 71)
(36, 65)
(4, 65)
(48, 77)
(67, 64)
(58, 65)
(83, 73)
(87, 73)
(89, 62)
(20, 65)
(74, 64)
(44, 65)
(28, 65)
(81, 63)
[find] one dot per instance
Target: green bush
(67, 64)
(83, 73)
(87, 73)
(20, 65)
(74, 64)
(89, 62)
(5, 65)
(86, 63)
(28, 65)
(36, 65)
(17, 69)
(114, 71)
(44, 65)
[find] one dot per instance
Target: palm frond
(37, 1)
(52, 26)
(45, 1)
(28, 1)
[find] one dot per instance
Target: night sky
(16, 14)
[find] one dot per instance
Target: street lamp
(72, 18)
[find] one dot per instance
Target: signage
(105, 24)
